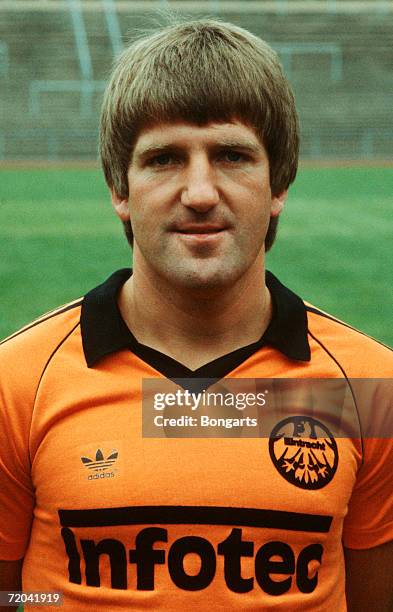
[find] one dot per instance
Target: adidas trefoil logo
(101, 464)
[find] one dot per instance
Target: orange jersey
(115, 520)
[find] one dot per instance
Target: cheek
(146, 223)
(259, 208)
(147, 199)
(256, 219)
(142, 223)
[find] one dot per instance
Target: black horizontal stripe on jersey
(196, 515)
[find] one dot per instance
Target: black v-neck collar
(104, 332)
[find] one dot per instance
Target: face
(199, 203)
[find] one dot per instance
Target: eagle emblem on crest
(304, 452)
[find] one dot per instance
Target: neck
(196, 327)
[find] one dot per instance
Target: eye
(164, 159)
(232, 156)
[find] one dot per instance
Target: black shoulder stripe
(53, 353)
(326, 316)
(46, 317)
(346, 378)
(329, 353)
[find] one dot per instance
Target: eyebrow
(153, 149)
(230, 143)
(233, 143)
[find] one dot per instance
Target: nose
(200, 191)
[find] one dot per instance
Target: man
(199, 144)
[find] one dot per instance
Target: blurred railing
(55, 57)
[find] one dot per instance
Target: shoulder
(58, 333)
(357, 354)
(28, 350)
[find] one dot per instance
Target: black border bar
(195, 515)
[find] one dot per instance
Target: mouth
(199, 229)
(196, 236)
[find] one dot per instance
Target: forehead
(188, 134)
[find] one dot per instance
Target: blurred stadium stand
(55, 57)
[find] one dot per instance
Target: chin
(204, 277)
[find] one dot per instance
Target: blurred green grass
(59, 238)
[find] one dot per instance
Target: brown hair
(199, 71)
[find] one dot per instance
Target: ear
(120, 205)
(278, 202)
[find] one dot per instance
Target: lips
(195, 229)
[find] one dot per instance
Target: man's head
(199, 72)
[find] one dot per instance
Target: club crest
(304, 452)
